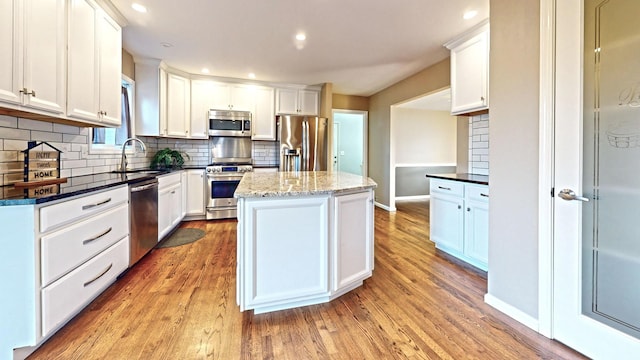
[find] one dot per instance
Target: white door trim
(545, 167)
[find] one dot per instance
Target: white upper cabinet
(263, 125)
(297, 101)
(33, 63)
(178, 105)
(225, 96)
(211, 95)
(95, 65)
(470, 71)
(200, 106)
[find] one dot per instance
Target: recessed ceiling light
(205, 70)
(470, 14)
(166, 44)
(252, 76)
(139, 8)
(301, 36)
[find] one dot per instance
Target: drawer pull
(85, 242)
(91, 206)
(99, 276)
(484, 195)
(444, 188)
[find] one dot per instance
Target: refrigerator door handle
(305, 145)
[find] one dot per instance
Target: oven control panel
(229, 169)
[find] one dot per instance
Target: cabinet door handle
(484, 195)
(90, 206)
(85, 242)
(444, 188)
(98, 276)
(468, 209)
(459, 207)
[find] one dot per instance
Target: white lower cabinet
(194, 192)
(459, 220)
(67, 296)
(169, 203)
(81, 252)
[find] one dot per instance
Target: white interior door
(596, 266)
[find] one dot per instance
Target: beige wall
(428, 80)
(419, 130)
(462, 144)
(513, 169)
(350, 102)
(128, 66)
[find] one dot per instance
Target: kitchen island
(303, 238)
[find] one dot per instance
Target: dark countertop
(469, 178)
(75, 185)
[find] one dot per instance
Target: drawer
(53, 216)
(477, 193)
(67, 296)
(65, 249)
(454, 188)
(169, 179)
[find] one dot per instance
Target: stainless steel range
(230, 159)
(222, 181)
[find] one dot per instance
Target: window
(109, 140)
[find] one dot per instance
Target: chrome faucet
(123, 160)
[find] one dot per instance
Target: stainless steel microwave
(229, 123)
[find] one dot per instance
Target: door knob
(568, 194)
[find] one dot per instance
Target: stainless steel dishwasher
(143, 218)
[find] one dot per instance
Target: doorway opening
(350, 141)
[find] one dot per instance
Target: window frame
(102, 149)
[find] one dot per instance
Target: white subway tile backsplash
(8, 122)
(46, 136)
(35, 125)
(479, 144)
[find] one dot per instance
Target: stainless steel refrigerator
(303, 143)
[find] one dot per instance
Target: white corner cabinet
(297, 101)
(470, 70)
(164, 103)
(57, 258)
(328, 239)
(459, 220)
(208, 95)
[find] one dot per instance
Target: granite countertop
(75, 185)
(469, 178)
(301, 183)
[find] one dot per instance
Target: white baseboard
(413, 197)
(516, 314)
(384, 207)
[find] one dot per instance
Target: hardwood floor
(179, 303)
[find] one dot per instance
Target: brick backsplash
(479, 144)
(76, 160)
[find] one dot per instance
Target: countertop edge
(281, 194)
(468, 178)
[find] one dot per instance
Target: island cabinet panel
(286, 254)
(352, 242)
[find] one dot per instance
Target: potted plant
(168, 159)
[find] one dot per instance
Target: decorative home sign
(41, 170)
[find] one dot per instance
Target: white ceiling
(360, 46)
